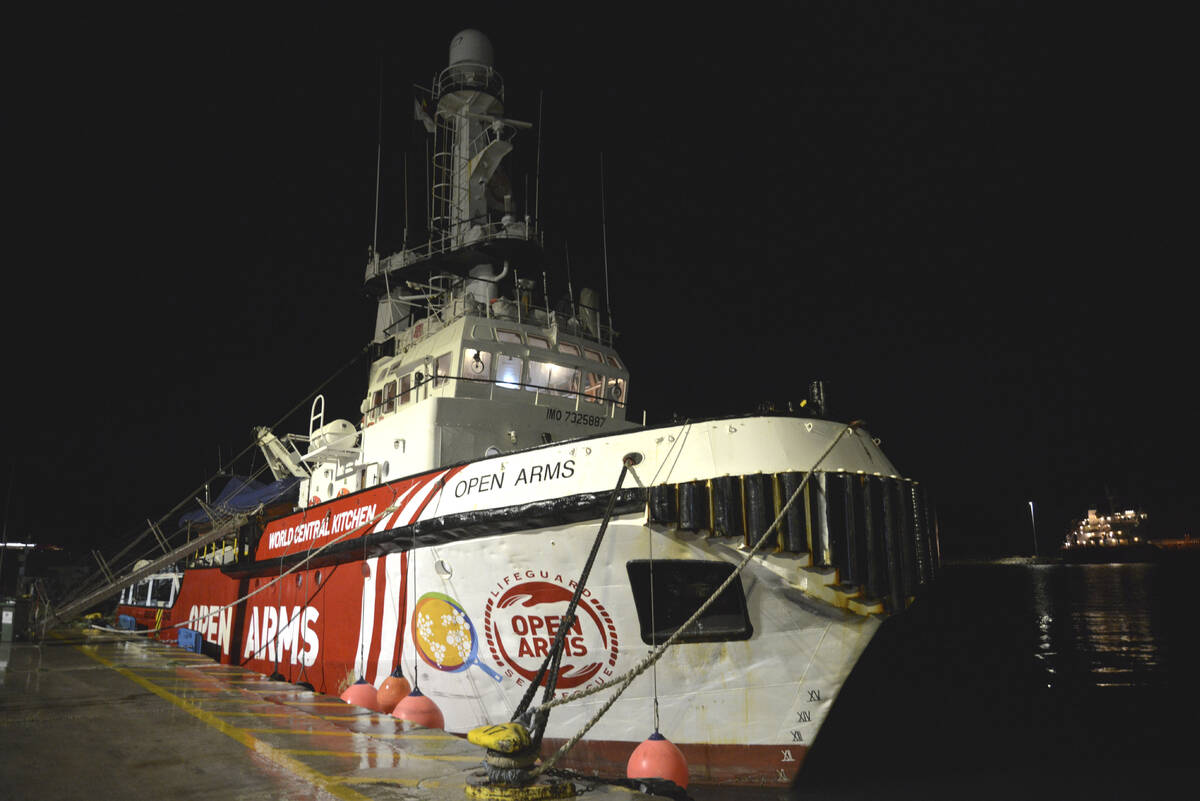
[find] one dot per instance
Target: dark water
(1023, 681)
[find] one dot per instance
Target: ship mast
(467, 143)
(472, 220)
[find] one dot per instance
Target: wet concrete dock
(94, 715)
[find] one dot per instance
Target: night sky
(934, 210)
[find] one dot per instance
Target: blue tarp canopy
(243, 494)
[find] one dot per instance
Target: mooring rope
(622, 682)
(549, 668)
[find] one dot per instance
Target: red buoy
(394, 688)
(362, 693)
(418, 708)
(658, 758)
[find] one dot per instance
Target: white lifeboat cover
(338, 435)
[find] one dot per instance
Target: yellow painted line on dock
(232, 699)
(348, 733)
(385, 780)
(478, 760)
(382, 719)
(276, 755)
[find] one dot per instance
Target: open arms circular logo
(523, 617)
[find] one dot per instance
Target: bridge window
(508, 370)
(593, 355)
(441, 369)
(536, 341)
(508, 336)
(553, 378)
(389, 397)
(593, 390)
(376, 400)
(568, 348)
(616, 390)
(476, 364)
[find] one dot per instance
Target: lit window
(568, 348)
(476, 364)
(508, 336)
(536, 341)
(593, 355)
(405, 388)
(553, 378)
(508, 370)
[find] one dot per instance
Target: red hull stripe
(379, 567)
(449, 474)
(393, 520)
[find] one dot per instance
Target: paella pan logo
(445, 636)
(524, 615)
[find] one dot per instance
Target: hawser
(445, 532)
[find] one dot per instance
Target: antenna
(570, 286)
(537, 181)
(604, 236)
(12, 476)
(428, 192)
(378, 162)
(404, 170)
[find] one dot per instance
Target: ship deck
(106, 716)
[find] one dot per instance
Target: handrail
(603, 401)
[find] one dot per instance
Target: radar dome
(471, 47)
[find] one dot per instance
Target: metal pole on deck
(1033, 521)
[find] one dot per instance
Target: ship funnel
(471, 47)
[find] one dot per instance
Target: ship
(446, 532)
(1114, 537)
(1121, 537)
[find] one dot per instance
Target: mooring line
(621, 683)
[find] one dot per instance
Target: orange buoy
(362, 693)
(393, 689)
(418, 708)
(658, 758)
